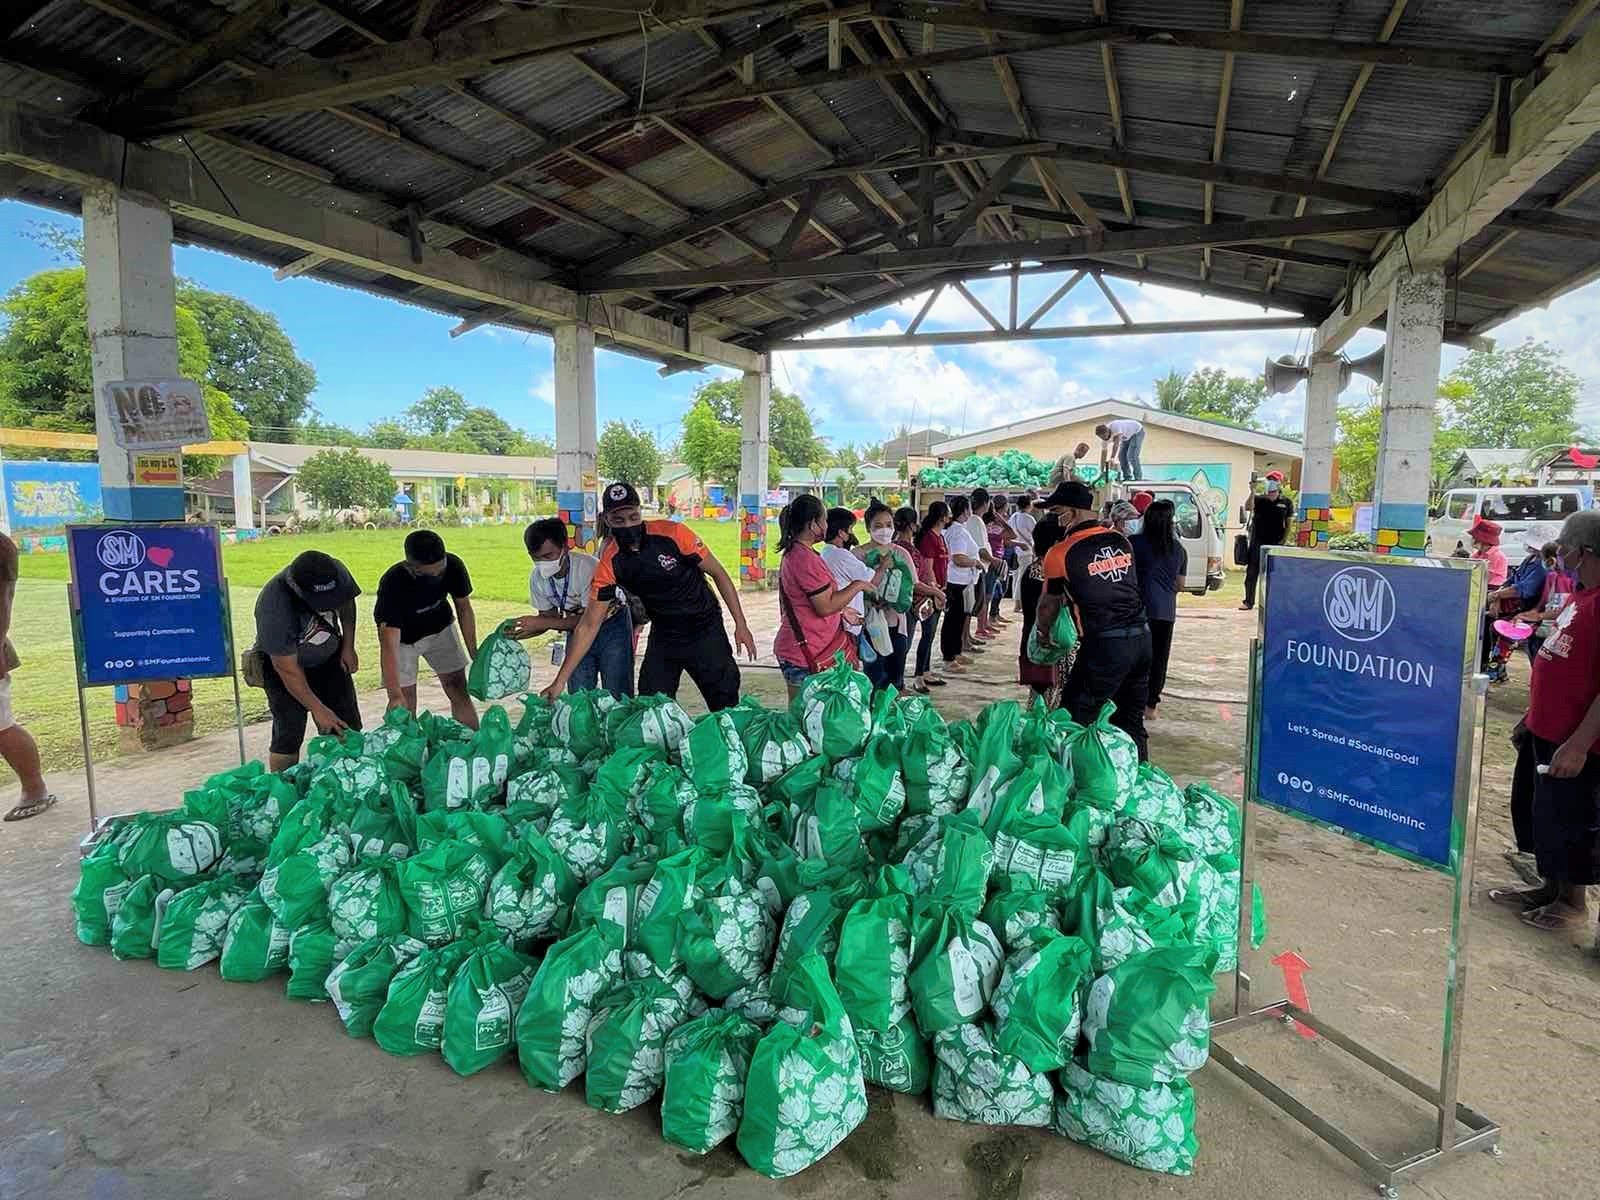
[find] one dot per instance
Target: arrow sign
(1294, 985)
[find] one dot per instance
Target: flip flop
(1521, 899)
(936, 682)
(1548, 922)
(23, 811)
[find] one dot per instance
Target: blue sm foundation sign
(1359, 714)
(149, 602)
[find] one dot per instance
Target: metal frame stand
(1481, 1133)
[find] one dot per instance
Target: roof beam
(1554, 119)
(1219, 132)
(193, 61)
(1036, 334)
(1567, 198)
(1108, 68)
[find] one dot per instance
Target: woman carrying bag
(811, 628)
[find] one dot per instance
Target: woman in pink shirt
(811, 609)
(1485, 536)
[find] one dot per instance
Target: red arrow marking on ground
(1227, 713)
(1294, 984)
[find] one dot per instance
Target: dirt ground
(121, 1081)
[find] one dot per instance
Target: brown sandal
(29, 808)
(1564, 918)
(1521, 899)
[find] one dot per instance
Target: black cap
(619, 495)
(322, 580)
(1070, 493)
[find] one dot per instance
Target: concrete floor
(121, 1081)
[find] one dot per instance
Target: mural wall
(1211, 480)
(46, 495)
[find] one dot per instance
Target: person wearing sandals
(928, 600)
(1556, 784)
(961, 578)
(811, 626)
(17, 746)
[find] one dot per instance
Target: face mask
(1135, 525)
(883, 535)
(549, 569)
(629, 537)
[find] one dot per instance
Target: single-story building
(1218, 458)
(912, 445)
(1482, 467)
(1575, 466)
(881, 482)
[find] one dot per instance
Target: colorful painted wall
(43, 495)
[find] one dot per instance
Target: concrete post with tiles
(576, 483)
(1316, 469)
(244, 499)
(127, 254)
(1410, 393)
(754, 458)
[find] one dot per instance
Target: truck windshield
(1530, 506)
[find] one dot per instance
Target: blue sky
(374, 357)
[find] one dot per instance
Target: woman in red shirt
(811, 609)
(936, 553)
(929, 594)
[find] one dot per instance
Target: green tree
(341, 479)
(227, 424)
(1211, 392)
(253, 360)
(628, 453)
(1524, 397)
(527, 445)
(709, 448)
(387, 435)
(1169, 391)
(486, 430)
(725, 398)
(454, 442)
(1356, 448)
(848, 474)
(792, 432)
(439, 410)
(314, 431)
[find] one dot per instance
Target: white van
(1514, 509)
(1195, 525)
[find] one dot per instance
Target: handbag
(1241, 550)
(848, 643)
(253, 667)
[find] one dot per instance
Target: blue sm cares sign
(149, 602)
(1363, 664)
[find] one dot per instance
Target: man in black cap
(305, 626)
(1091, 569)
(665, 565)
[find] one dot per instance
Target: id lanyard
(558, 650)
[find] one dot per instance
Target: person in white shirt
(1022, 522)
(846, 568)
(558, 588)
(1126, 438)
(960, 580)
(977, 524)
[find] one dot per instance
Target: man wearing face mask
(415, 622)
(1270, 515)
(558, 589)
(666, 567)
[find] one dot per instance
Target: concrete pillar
(1410, 394)
(127, 251)
(754, 459)
(244, 508)
(576, 483)
(1316, 468)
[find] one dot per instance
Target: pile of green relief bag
(751, 915)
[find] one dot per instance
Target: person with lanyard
(665, 566)
(1022, 522)
(811, 605)
(1270, 515)
(1091, 570)
(415, 622)
(961, 576)
(928, 596)
(558, 589)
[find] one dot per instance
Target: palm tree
(1169, 391)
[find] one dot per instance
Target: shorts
(792, 675)
(443, 650)
(330, 683)
(6, 719)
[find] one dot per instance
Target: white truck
(1514, 509)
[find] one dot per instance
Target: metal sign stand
(1459, 1127)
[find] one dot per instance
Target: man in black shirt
(415, 622)
(1269, 525)
(1091, 569)
(665, 565)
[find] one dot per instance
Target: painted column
(244, 504)
(1410, 393)
(1316, 468)
(127, 250)
(754, 458)
(576, 483)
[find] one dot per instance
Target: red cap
(1487, 532)
(1142, 501)
(1278, 475)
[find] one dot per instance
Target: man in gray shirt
(305, 625)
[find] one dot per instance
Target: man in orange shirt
(1091, 569)
(666, 566)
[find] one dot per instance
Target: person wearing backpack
(811, 626)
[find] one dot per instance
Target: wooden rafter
(1108, 68)
(1235, 21)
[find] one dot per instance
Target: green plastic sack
(473, 773)
(627, 1042)
(1063, 637)
(1211, 821)
(195, 923)
(726, 939)
(553, 1026)
(543, 788)
(1147, 1020)
(974, 1080)
(993, 757)
(501, 667)
(1041, 853)
(172, 847)
(411, 1020)
(713, 755)
(773, 744)
(706, 1061)
(715, 820)
(137, 923)
(591, 832)
(962, 863)
(1121, 922)
(1017, 913)
(936, 772)
(443, 888)
(1037, 1008)
(487, 831)
(481, 1006)
(834, 707)
(1151, 1127)
(798, 784)
(296, 889)
(875, 784)
(256, 945)
(314, 950)
(673, 889)
(359, 780)
(530, 898)
(898, 588)
(1153, 858)
(811, 923)
(578, 721)
(955, 965)
(365, 902)
(359, 982)
(873, 964)
(533, 726)
(1034, 791)
(667, 792)
(657, 722)
(1105, 763)
(1047, 733)
(1156, 799)
(400, 744)
(614, 897)
(827, 828)
(98, 893)
(754, 1003)
(805, 1092)
(897, 1058)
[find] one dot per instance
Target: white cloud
(544, 387)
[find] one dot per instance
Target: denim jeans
(1128, 457)
(610, 658)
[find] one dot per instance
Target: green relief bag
(1154, 859)
(173, 847)
(1147, 1020)
(1121, 922)
(314, 949)
(195, 923)
(713, 756)
(1063, 637)
(873, 964)
(296, 889)
(1211, 821)
(474, 773)
(359, 780)
(543, 788)
(896, 1058)
(994, 761)
(827, 828)
(672, 891)
(137, 924)
(627, 1042)
(553, 1026)
(359, 982)
(936, 773)
(1156, 799)
(811, 924)
(1036, 1006)
(400, 744)
(706, 1062)
(501, 667)
(481, 1006)
(962, 863)
(715, 820)
(1047, 733)
(754, 1003)
(955, 965)
(591, 832)
(365, 901)
(726, 939)
(1042, 853)
(486, 831)
(898, 588)
(773, 743)
(667, 792)
(655, 722)
(443, 889)
(530, 898)
(875, 784)
(1037, 790)
(1017, 913)
(411, 1020)
(798, 784)
(578, 721)
(98, 893)
(1149, 1127)
(974, 1080)
(626, 771)
(835, 709)
(614, 897)
(1105, 763)
(257, 944)
(805, 1092)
